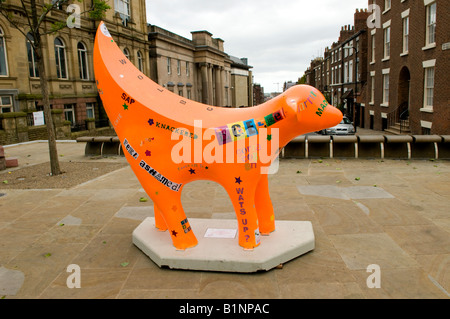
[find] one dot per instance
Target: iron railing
(400, 117)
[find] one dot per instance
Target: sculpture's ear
(293, 104)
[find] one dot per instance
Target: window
(429, 88)
(69, 113)
(387, 5)
(178, 67)
(140, 62)
(58, 5)
(387, 42)
(350, 71)
(373, 48)
(180, 92)
(82, 61)
(428, 91)
(405, 34)
(3, 59)
(357, 73)
(346, 72)
(188, 72)
(340, 74)
(60, 59)
(386, 89)
(126, 53)
(372, 92)
(6, 104)
(122, 7)
(169, 68)
(32, 63)
(90, 114)
(431, 24)
(189, 94)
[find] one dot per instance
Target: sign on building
(38, 118)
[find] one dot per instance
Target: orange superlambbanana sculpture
(170, 141)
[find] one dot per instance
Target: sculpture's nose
(331, 116)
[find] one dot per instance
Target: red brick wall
(440, 117)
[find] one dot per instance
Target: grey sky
(279, 38)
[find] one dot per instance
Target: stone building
(199, 69)
(68, 56)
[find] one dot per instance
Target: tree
(35, 15)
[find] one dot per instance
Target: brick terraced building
(403, 86)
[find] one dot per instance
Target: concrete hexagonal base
(218, 248)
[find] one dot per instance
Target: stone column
(204, 74)
(210, 86)
(219, 86)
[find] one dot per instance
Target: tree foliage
(31, 17)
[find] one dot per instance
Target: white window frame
(372, 88)
(69, 110)
(59, 68)
(430, 24)
(346, 72)
(31, 63)
(405, 35)
(126, 52)
(140, 61)
(123, 8)
(428, 66)
(350, 71)
(83, 60)
(90, 107)
(178, 67)
(5, 53)
(373, 43)
(387, 6)
(386, 88)
(5, 106)
(169, 66)
(387, 40)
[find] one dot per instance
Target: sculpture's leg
(172, 213)
(243, 198)
(160, 223)
(264, 207)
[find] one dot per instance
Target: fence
(369, 146)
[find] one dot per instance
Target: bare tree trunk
(53, 152)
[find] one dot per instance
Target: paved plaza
(382, 230)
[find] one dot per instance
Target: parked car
(344, 128)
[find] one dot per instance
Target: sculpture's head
(314, 113)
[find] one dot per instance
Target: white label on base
(220, 233)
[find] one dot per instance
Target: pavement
(382, 230)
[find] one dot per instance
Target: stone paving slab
(407, 234)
